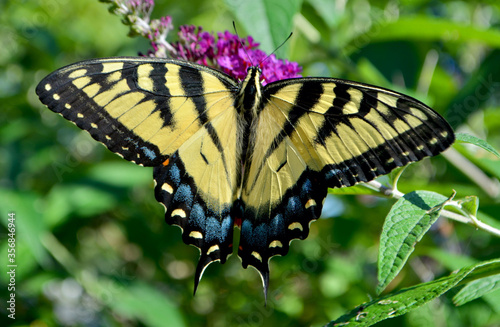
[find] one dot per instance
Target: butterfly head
(251, 90)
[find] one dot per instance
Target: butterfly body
(227, 153)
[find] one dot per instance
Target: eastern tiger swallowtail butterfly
(229, 153)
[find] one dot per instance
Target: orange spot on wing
(165, 163)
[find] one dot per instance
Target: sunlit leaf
(469, 138)
(407, 222)
(408, 299)
(269, 22)
(477, 289)
(354, 190)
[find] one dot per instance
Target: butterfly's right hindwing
(316, 133)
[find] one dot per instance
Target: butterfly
(228, 153)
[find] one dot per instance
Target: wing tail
(211, 232)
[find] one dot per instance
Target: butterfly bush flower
(224, 51)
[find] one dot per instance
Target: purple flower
(231, 54)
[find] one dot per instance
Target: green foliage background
(91, 245)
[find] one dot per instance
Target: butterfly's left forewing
(315, 133)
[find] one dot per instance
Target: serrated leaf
(268, 21)
(407, 222)
(468, 138)
(408, 299)
(477, 289)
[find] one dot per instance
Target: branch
(464, 217)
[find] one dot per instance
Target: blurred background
(92, 247)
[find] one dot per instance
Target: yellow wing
(316, 133)
(176, 116)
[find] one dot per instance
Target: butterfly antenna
(277, 48)
(242, 44)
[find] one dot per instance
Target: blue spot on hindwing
(212, 229)
(306, 188)
(246, 230)
(226, 225)
(184, 195)
(148, 152)
(174, 174)
(332, 173)
(276, 227)
(260, 236)
(197, 216)
(293, 207)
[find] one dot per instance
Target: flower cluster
(224, 51)
(231, 54)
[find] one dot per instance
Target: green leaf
(470, 204)
(432, 29)
(327, 10)
(493, 300)
(477, 289)
(468, 138)
(395, 175)
(407, 222)
(354, 190)
(84, 200)
(121, 173)
(269, 22)
(408, 299)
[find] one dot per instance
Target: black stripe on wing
(406, 130)
(84, 94)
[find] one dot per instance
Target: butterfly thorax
(250, 94)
